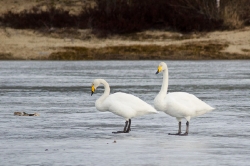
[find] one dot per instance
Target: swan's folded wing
(127, 105)
(188, 104)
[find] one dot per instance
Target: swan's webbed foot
(118, 132)
(126, 128)
(179, 133)
(184, 134)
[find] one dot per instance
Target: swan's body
(121, 104)
(178, 104)
(181, 105)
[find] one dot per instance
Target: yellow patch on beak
(93, 88)
(159, 69)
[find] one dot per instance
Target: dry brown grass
(189, 51)
(158, 35)
(16, 6)
(6, 56)
(246, 50)
(231, 17)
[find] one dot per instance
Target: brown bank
(82, 45)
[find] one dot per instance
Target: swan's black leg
(187, 129)
(129, 124)
(125, 127)
(179, 131)
(124, 130)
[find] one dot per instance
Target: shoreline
(149, 45)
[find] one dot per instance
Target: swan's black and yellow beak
(92, 89)
(159, 69)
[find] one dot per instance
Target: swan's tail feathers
(201, 112)
(153, 110)
(145, 112)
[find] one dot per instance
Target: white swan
(121, 104)
(178, 104)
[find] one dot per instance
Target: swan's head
(94, 85)
(161, 67)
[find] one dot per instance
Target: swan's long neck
(106, 90)
(164, 86)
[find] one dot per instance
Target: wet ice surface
(70, 131)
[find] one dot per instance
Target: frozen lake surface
(70, 131)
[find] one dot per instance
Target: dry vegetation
(194, 51)
(104, 29)
(126, 16)
(6, 56)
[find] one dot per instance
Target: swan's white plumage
(121, 104)
(182, 104)
(178, 104)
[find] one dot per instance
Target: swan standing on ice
(178, 104)
(121, 104)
